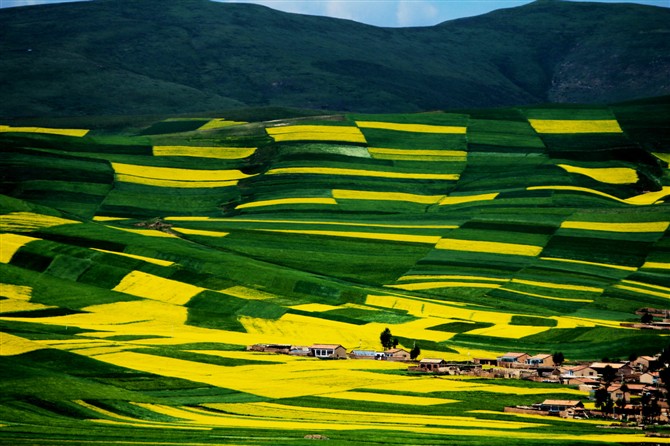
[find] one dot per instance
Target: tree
(664, 376)
(415, 352)
(386, 338)
(609, 374)
(395, 342)
(604, 401)
(558, 358)
(647, 318)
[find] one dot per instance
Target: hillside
(127, 57)
(137, 264)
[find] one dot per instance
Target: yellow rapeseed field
(656, 265)
(610, 175)
(51, 131)
(314, 307)
(308, 222)
(285, 201)
(103, 218)
(12, 305)
(443, 284)
(11, 345)
(575, 125)
(450, 277)
(644, 199)
(386, 398)
(218, 123)
(30, 221)
(385, 196)
(428, 239)
(459, 199)
(17, 292)
(316, 133)
(418, 155)
(202, 232)
(362, 173)
(158, 288)
(583, 262)
(488, 247)
(414, 128)
(133, 256)
(558, 286)
(657, 226)
(172, 174)
(248, 293)
(224, 153)
(10, 243)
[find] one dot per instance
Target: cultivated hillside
(144, 57)
(136, 265)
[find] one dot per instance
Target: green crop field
(138, 261)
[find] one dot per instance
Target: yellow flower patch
(284, 201)
(385, 196)
(386, 398)
(50, 131)
(558, 286)
(362, 173)
(306, 222)
(11, 345)
(414, 128)
(610, 175)
(173, 177)
(10, 243)
(459, 199)
(418, 155)
(202, 232)
(449, 277)
(436, 285)
(316, 133)
(488, 247)
(18, 292)
(103, 218)
(427, 239)
(133, 256)
(575, 125)
(248, 293)
(658, 226)
(218, 123)
(145, 232)
(314, 307)
(158, 288)
(639, 200)
(583, 262)
(224, 153)
(656, 265)
(542, 296)
(29, 221)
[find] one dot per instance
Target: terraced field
(137, 264)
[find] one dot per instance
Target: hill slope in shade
(137, 264)
(111, 57)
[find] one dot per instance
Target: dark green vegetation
(195, 55)
(128, 295)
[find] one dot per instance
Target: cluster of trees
(389, 341)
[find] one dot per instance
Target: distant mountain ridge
(151, 57)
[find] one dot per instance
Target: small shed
(365, 354)
(328, 351)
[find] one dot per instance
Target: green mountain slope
(106, 57)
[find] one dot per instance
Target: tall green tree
(558, 358)
(415, 352)
(386, 338)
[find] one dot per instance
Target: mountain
(115, 57)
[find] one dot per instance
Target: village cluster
(632, 391)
